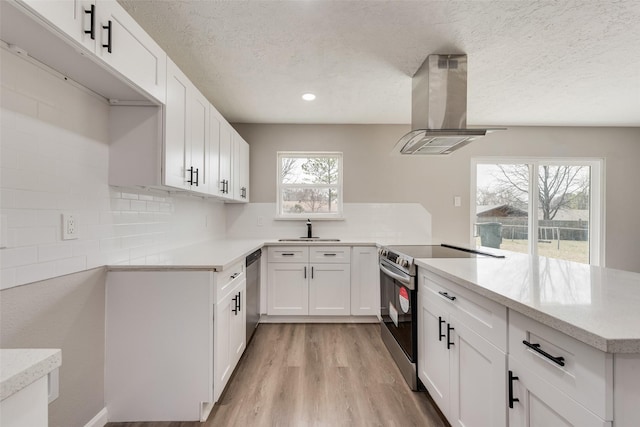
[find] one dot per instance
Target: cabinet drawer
(227, 279)
(586, 375)
(485, 317)
(330, 254)
(288, 254)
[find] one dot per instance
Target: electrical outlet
(260, 221)
(69, 226)
(457, 201)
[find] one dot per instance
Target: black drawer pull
(92, 12)
(312, 272)
(512, 399)
(440, 322)
(536, 347)
(449, 343)
(447, 296)
(234, 275)
(288, 254)
(305, 272)
(330, 254)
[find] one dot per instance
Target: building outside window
(309, 185)
(547, 207)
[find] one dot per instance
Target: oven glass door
(398, 308)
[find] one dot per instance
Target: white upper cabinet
(75, 18)
(107, 31)
(126, 47)
(175, 134)
(240, 168)
(186, 133)
(225, 159)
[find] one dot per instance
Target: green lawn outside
(570, 250)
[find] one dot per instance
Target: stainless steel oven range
(399, 297)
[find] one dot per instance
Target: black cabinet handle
(312, 272)
(92, 12)
(330, 254)
(226, 186)
(449, 329)
(235, 305)
(243, 192)
(222, 189)
(305, 272)
(536, 347)
(512, 399)
(447, 296)
(108, 28)
(239, 301)
(190, 180)
(288, 254)
(440, 322)
(234, 275)
(197, 176)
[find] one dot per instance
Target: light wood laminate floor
(302, 375)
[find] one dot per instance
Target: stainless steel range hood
(439, 108)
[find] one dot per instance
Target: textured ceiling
(561, 62)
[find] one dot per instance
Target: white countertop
(598, 306)
(217, 255)
(23, 366)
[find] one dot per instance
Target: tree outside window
(546, 207)
(310, 184)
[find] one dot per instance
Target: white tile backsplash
(54, 159)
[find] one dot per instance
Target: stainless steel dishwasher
(253, 292)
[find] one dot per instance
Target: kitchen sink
(308, 239)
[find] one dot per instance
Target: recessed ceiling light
(308, 97)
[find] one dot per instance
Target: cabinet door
(542, 405)
(224, 180)
(329, 290)
(244, 167)
(238, 325)
(478, 378)
(365, 281)
(127, 48)
(288, 289)
(223, 321)
(433, 355)
(176, 130)
(212, 159)
(69, 17)
(198, 121)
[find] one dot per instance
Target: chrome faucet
(309, 229)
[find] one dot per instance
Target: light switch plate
(457, 201)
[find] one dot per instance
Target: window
(309, 185)
(547, 207)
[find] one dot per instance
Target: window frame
(596, 198)
(280, 186)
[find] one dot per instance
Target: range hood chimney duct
(439, 108)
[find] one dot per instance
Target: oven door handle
(403, 279)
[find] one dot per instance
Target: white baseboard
(318, 319)
(100, 420)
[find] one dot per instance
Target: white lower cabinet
(534, 402)
(229, 335)
(464, 373)
(329, 290)
(365, 281)
(173, 338)
(296, 286)
(288, 289)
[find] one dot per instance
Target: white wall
(54, 153)
(372, 175)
